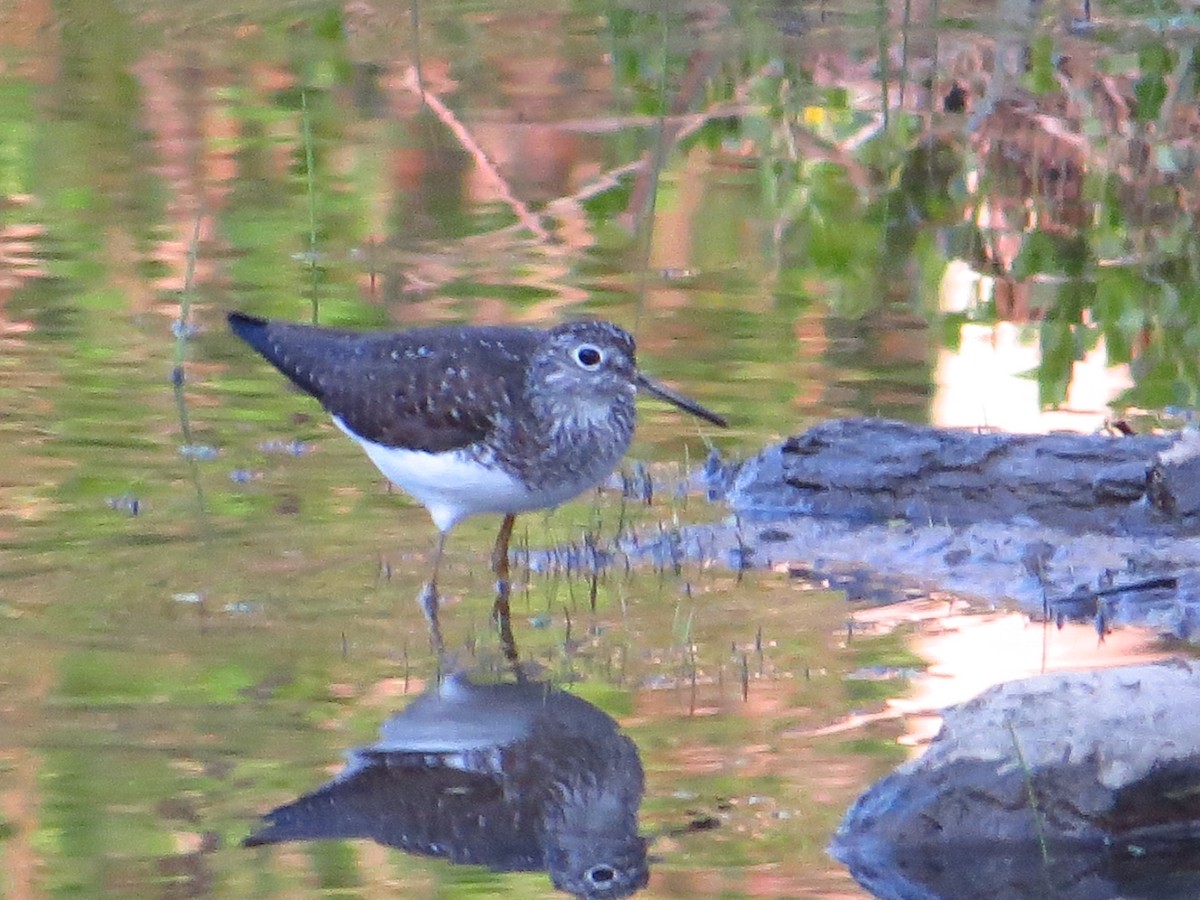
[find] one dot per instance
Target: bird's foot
(428, 600)
(502, 617)
(500, 607)
(503, 590)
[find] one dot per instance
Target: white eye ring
(588, 357)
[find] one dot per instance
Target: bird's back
(428, 389)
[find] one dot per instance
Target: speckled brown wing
(430, 389)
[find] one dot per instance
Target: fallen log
(875, 470)
(1062, 525)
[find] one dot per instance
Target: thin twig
(178, 378)
(446, 116)
(1031, 793)
(310, 175)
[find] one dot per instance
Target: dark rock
(1070, 785)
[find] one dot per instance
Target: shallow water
(205, 600)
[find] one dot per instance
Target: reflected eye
(600, 876)
(588, 356)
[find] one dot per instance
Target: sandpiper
(474, 419)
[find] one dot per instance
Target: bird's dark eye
(588, 356)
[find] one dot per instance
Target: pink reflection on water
(968, 651)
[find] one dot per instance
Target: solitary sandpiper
(474, 419)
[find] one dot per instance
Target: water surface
(206, 598)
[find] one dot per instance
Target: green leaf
(1038, 256)
(1149, 92)
(1155, 59)
(1058, 358)
(1041, 77)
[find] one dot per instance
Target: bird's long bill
(662, 392)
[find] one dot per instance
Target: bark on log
(874, 470)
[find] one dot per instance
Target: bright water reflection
(193, 638)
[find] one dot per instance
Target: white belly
(452, 486)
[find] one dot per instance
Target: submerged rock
(1069, 785)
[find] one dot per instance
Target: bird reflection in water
(512, 776)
